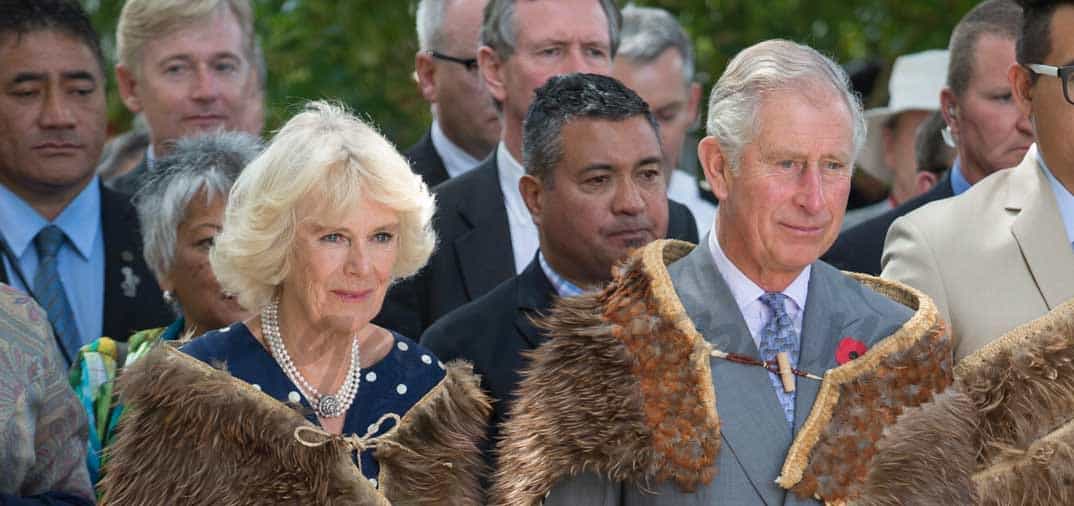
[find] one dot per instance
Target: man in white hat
(914, 93)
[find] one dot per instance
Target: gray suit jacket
(754, 433)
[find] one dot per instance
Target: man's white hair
(430, 20)
(766, 67)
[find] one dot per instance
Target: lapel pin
(130, 281)
(849, 349)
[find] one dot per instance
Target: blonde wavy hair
(327, 157)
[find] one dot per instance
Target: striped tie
(49, 289)
(779, 335)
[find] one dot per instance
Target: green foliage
(361, 52)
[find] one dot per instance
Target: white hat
(915, 84)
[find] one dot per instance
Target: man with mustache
(596, 187)
(188, 67)
(68, 241)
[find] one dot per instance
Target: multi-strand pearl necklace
(326, 405)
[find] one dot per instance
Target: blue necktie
(778, 335)
(48, 287)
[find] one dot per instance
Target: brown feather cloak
(192, 434)
(1003, 434)
(623, 387)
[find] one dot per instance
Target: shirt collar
(80, 220)
(959, 183)
(1063, 198)
(150, 158)
(563, 287)
(456, 161)
(510, 173)
(743, 289)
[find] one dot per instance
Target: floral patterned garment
(42, 427)
(93, 378)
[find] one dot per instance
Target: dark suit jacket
(132, 298)
(492, 332)
(130, 182)
(426, 162)
(859, 248)
(474, 251)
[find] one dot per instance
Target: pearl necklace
(326, 405)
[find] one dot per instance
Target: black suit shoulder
(129, 183)
(681, 223)
(426, 162)
(860, 248)
(467, 331)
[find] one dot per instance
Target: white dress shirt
(1063, 198)
(524, 240)
(456, 161)
(747, 294)
(683, 189)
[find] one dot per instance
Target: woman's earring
(168, 297)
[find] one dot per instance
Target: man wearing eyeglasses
(465, 125)
(1003, 252)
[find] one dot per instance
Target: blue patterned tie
(778, 335)
(49, 288)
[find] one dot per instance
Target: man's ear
(129, 89)
(425, 70)
(491, 68)
(716, 166)
(693, 107)
(1021, 87)
(949, 110)
(925, 181)
(531, 189)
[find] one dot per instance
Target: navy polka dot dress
(392, 385)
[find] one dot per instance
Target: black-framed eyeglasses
(469, 63)
(1065, 74)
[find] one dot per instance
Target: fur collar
(194, 434)
(624, 388)
(1002, 434)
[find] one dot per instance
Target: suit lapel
(751, 419)
(535, 295)
(123, 283)
(484, 252)
(823, 326)
(426, 161)
(1039, 232)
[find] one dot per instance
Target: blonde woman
(316, 229)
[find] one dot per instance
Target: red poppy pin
(849, 349)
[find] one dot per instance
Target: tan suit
(992, 258)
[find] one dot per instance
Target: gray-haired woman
(181, 210)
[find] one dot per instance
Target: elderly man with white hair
(687, 379)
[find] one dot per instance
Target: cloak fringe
(1013, 414)
(624, 389)
(192, 434)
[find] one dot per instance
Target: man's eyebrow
(79, 75)
(24, 77)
